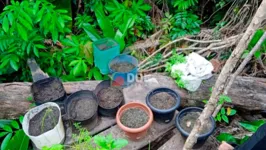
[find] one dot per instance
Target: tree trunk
(247, 93)
(224, 76)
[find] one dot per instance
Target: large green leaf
(15, 124)
(4, 122)
(103, 21)
(22, 32)
(91, 32)
(226, 137)
(5, 141)
(20, 141)
(253, 125)
(5, 25)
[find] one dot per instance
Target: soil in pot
(188, 120)
(105, 46)
(44, 121)
(134, 118)
(122, 67)
(110, 97)
(82, 108)
(52, 91)
(162, 100)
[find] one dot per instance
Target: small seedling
(48, 112)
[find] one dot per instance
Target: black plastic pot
(48, 90)
(202, 137)
(108, 112)
(91, 121)
(163, 115)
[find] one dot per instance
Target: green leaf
(5, 24)
(225, 118)
(77, 69)
(14, 124)
(4, 122)
(97, 75)
(22, 32)
(232, 112)
(21, 119)
(103, 21)
(226, 137)
(20, 141)
(223, 111)
(70, 50)
(218, 117)
(100, 141)
(2, 134)
(39, 15)
(257, 54)
(253, 125)
(28, 48)
(7, 128)
(5, 141)
(35, 51)
(91, 32)
(119, 143)
(14, 64)
(225, 98)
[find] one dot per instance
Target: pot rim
(133, 105)
(159, 90)
(45, 105)
(186, 133)
(112, 71)
(69, 100)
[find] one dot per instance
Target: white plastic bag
(194, 70)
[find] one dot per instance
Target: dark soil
(188, 120)
(110, 97)
(134, 118)
(162, 100)
(122, 67)
(82, 108)
(104, 47)
(48, 91)
(43, 121)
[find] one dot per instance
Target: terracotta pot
(134, 133)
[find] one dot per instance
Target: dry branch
(224, 76)
(239, 70)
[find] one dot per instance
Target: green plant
(177, 75)
(250, 126)
(48, 111)
(224, 113)
(54, 147)
(109, 143)
(185, 23)
(109, 29)
(85, 142)
(13, 136)
(184, 4)
(24, 26)
(256, 37)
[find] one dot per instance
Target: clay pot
(134, 133)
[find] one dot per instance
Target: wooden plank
(177, 142)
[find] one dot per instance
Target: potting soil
(134, 118)
(110, 97)
(162, 100)
(188, 120)
(82, 109)
(122, 67)
(44, 121)
(46, 93)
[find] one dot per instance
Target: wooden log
(247, 93)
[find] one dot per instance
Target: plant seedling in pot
(44, 121)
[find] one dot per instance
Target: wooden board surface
(177, 142)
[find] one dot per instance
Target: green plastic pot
(104, 50)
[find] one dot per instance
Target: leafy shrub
(25, 26)
(13, 136)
